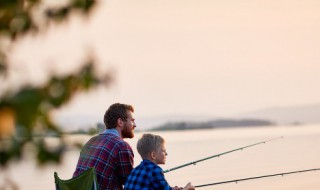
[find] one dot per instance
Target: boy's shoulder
(148, 165)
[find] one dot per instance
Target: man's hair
(149, 143)
(114, 112)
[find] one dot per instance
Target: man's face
(128, 126)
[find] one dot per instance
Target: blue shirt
(146, 176)
(111, 131)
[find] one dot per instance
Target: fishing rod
(218, 155)
(257, 177)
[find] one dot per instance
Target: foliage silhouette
(25, 113)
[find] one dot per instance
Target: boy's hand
(189, 186)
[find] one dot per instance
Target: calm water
(298, 150)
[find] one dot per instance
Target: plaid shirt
(147, 176)
(111, 157)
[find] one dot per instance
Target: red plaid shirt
(111, 157)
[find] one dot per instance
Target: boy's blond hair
(149, 143)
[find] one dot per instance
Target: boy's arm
(159, 181)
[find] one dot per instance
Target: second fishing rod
(220, 154)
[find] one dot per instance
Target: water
(298, 150)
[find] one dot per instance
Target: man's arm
(125, 163)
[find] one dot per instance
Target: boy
(148, 175)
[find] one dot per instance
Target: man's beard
(127, 133)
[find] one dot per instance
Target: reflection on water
(298, 150)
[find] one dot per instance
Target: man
(108, 153)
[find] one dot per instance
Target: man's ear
(119, 122)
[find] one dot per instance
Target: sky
(189, 57)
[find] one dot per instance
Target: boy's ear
(153, 155)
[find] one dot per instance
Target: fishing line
(218, 155)
(257, 177)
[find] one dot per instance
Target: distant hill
(308, 114)
(156, 121)
(84, 122)
(219, 123)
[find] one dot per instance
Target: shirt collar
(111, 131)
(146, 161)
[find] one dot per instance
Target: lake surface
(298, 150)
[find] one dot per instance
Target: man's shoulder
(112, 140)
(106, 138)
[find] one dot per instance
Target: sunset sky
(188, 57)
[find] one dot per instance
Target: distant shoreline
(218, 123)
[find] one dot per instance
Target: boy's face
(160, 155)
